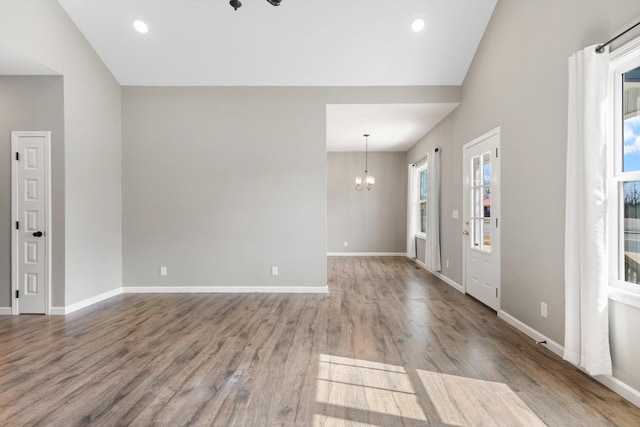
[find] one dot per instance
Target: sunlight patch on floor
(470, 402)
(327, 358)
(327, 421)
(356, 391)
(367, 386)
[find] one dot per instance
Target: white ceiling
(392, 127)
(300, 42)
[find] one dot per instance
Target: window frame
(624, 59)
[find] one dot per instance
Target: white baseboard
(5, 311)
(532, 333)
(366, 254)
(87, 302)
(57, 311)
(225, 289)
(622, 388)
(455, 285)
(613, 383)
(420, 263)
(61, 311)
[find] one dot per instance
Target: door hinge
(17, 156)
(496, 222)
(17, 294)
(496, 292)
(17, 225)
(496, 153)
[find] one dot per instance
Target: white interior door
(30, 199)
(482, 218)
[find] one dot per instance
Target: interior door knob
(37, 234)
(465, 232)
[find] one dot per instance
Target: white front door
(482, 218)
(30, 214)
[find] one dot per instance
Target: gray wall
(518, 80)
(32, 103)
(42, 31)
(373, 221)
(220, 184)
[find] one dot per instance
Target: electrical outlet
(274, 271)
(446, 263)
(163, 271)
(346, 243)
(543, 309)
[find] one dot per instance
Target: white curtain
(586, 342)
(432, 250)
(411, 214)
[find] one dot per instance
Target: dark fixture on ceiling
(235, 4)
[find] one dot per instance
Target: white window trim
(622, 60)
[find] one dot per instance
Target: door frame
(465, 208)
(15, 309)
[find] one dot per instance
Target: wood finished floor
(389, 345)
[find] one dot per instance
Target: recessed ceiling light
(417, 25)
(141, 26)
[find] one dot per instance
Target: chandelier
(366, 180)
(235, 4)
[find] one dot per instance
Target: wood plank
(389, 345)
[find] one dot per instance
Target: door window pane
(477, 203)
(486, 235)
(486, 168)
(631, 118)
(475, 241)
(423, 217)
(476, 171)
(486, 201)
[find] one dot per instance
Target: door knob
(465, 232)
(37, 234)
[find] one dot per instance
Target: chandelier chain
(366, 181)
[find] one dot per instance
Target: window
(629, 185)
(625, 178)
(480, 212)
(421, 200)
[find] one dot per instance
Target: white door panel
(30, 174)
(481, 219)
